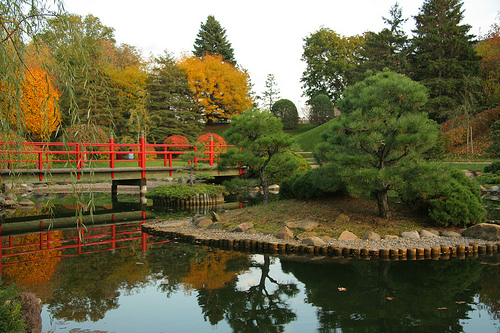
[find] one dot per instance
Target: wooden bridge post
(112, 154)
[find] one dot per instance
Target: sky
(267, 35)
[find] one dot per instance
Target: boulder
(342, 218)
(216, 226)
(451, 234)
(388, 237)
(485, 231)
(242, 227)
(304, 225)
(178, 224)
(284, 233)
(326, 238)
(410, 234)
(10, 203)
(347, 235)
(370, 235)
(494, 188)
(26, 202)
(313, 241)
(425, 233)
(203, 222)
(215, 216)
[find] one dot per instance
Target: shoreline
(438, 247)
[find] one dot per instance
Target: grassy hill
(307, 140)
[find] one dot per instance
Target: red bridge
(93, 162)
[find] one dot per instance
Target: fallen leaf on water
(442, 308)
(342, 289)
(460, 302)
(389, 298)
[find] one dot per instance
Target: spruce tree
(443, 54)
(170, 103)
(212, 40)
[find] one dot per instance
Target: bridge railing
(41, 155)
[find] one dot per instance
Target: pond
(116, 279)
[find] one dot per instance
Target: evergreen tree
(170, 104)
(443, 54)
(388, 48)
(286, 110)
(212, 40)
(272, 93)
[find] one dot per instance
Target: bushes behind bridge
(315, 183)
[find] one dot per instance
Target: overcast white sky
(267, 35)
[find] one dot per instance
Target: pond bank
(399, 248)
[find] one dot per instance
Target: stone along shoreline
(407, 246)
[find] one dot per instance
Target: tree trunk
(265, 188)
(383, 203)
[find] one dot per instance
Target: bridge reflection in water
(40, 238)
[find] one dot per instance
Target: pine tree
(212, 40)
(443, 54)
(388, 48)
(170, 103)
(272, 92)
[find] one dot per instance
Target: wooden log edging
(444, 252)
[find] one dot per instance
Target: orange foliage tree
(37, 111)
(211, 273)
(218, 140)
(176, 140)
(219, 89)
(489, 50)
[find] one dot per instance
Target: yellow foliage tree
(219, 89)
(37, 110)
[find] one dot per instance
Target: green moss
(181, 191)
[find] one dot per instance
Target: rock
(31, 309)
(215, 216)
(284, 233)
(274, 189)
(242, 227)
(203, 222)
(485, 231)
(301, 236)
(26, 202)
(425, 233)
(304, 225)
(410, 234)
(216, 226)
(451, 234)
(178, 224)
(370, 235)
(196, 217)
(10, 203)
(347, 235)
(494, 189)
(313, 241)
(326, 238)
(390, 237)
(342, 218)
(2, 201)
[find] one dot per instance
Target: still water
(114, 278)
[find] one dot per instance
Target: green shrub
(447, 195)
(318, 182)
(182, 191)
(322, 109)
(11, 318)
(287, 111)
(287, 169)
(493, 167)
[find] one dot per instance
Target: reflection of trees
(260, 308)
(490, 289)
(88, 285)
(383, 296)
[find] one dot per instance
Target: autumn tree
(37, 112)
(489, 50)
(272, 92)
(170, 105)
(330, 62)
(443, 54)
(219, 89)
(212, 40)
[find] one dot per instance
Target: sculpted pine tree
(212, 40)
